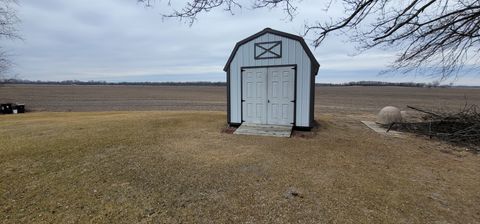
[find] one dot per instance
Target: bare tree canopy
(434, 37)
(8, 22)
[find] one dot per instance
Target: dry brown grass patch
(173, 167)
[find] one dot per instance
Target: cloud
(122, 40)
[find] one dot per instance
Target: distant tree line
(92, 82)
(434, 84)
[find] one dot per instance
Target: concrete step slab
(264, 130)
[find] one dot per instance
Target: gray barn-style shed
(271, 80)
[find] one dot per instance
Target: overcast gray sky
(120, 40)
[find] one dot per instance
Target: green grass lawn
(178, 167)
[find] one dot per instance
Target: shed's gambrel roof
(315, 64)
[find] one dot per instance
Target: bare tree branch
(433, 37)
(193, 8)
(8, 22)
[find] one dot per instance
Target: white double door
(268, 95)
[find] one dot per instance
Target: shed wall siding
(292, 53)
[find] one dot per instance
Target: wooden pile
(460, 128)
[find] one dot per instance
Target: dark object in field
(20, 108)
(12, 108)
(461, 128)
(292, 193)
(6, 108)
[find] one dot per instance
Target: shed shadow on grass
(227, 129)
(308, 134)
